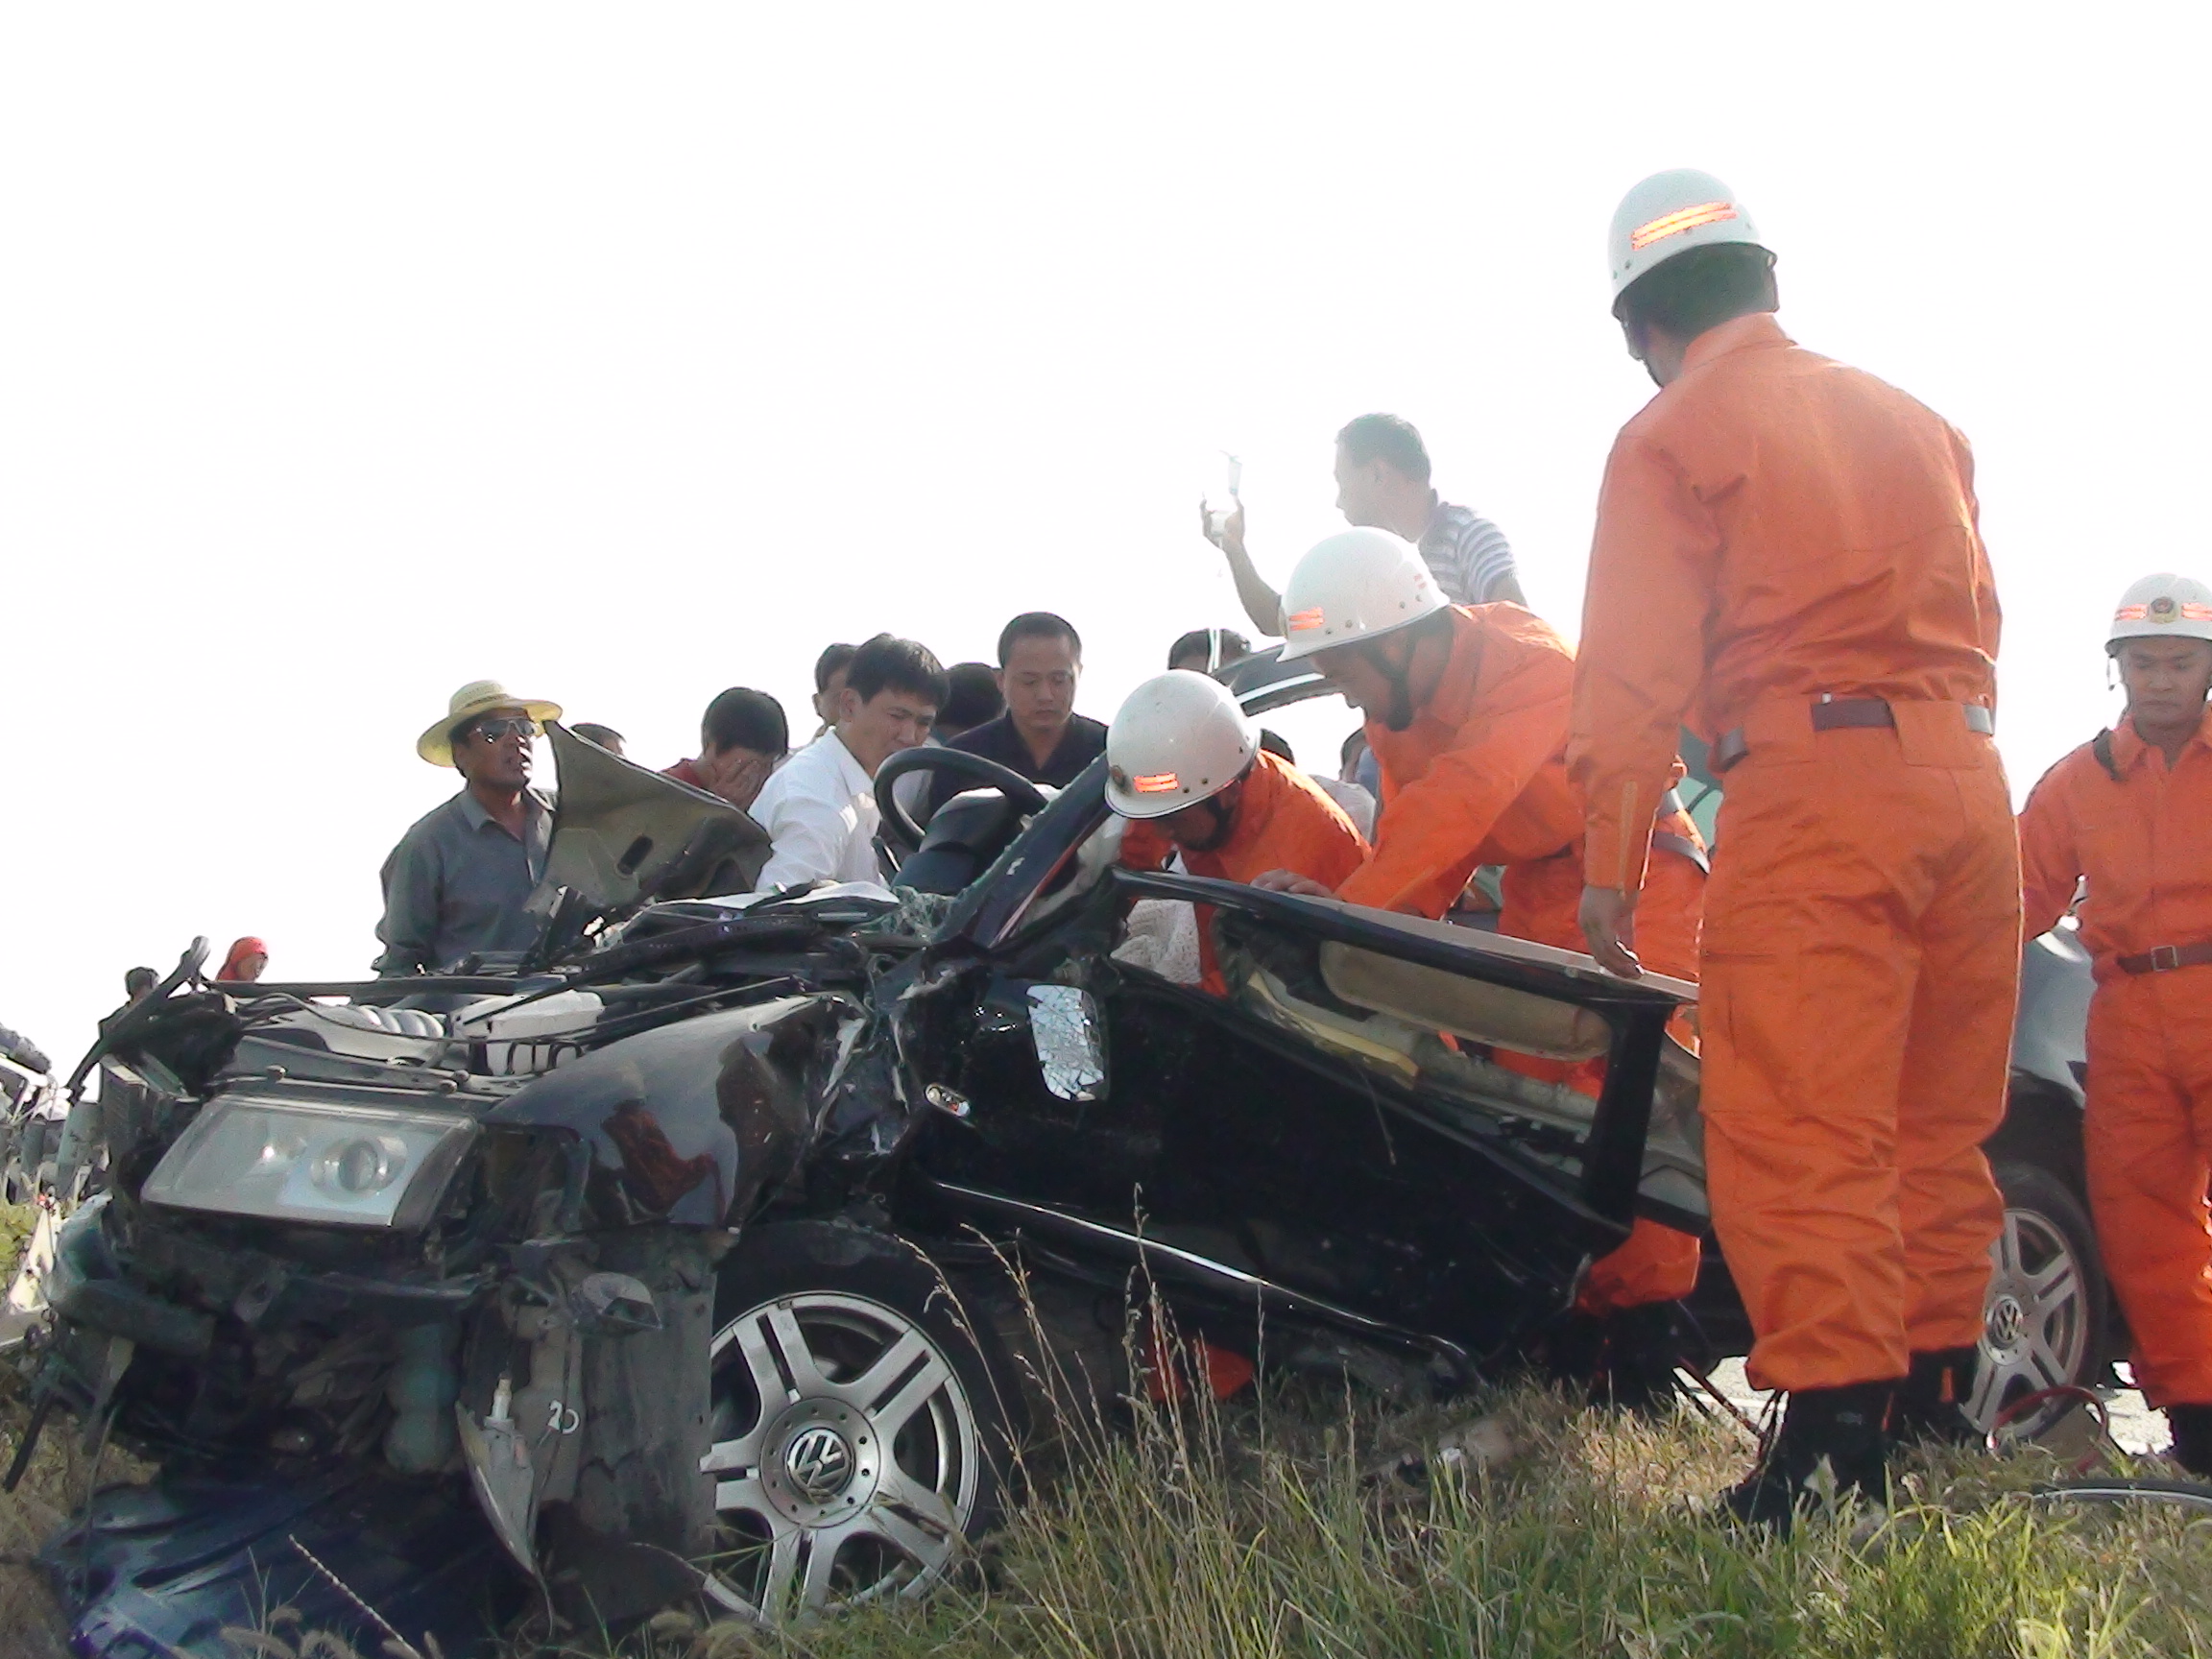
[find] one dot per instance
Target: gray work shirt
(457, 883)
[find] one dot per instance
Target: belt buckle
(2165, 958)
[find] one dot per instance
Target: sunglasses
(490, 732)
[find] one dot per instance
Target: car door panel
(1219, 1138)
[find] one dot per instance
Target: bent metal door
(1233, 1144)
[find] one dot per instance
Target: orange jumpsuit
(2142, 840)
(1285, 821)
(1481, 777)
(1774, 528)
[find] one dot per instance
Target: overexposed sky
(626, 353)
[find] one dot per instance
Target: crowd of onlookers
(457, 884)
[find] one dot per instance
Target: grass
(1262, 1533)
(1322, 1525)
(17, 1221)
(40, 1506)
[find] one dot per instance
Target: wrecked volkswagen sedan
(678, 1245)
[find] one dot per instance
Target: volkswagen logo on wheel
(819, 1462)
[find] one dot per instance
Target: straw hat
(477, 697)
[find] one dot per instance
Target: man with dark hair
(1039, 736)
(974, 699)
(820, 809)
(1382, 483)
(458, 882)
(85, 1127)
(1208, 650)
(606, 737)
(830, 670)
(1698, 290)
(1787, 556)
(1040, 625)
(743, 737)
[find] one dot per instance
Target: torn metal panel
(691, 1124)
(623, 835)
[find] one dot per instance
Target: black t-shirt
(1082, 743)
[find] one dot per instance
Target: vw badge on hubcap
(2007, 1326)
(819, 1462)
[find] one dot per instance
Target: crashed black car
(664, 1241)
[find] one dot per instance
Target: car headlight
(340, 1164)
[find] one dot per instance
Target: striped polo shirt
(1467, 554)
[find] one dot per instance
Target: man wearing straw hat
(457, 882)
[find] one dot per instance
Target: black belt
(1670, 803)
(1681, 846)
(2166, 958)
(1831, 713)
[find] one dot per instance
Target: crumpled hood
(623, 835)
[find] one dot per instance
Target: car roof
(1263, 681)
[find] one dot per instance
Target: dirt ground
(29, 1625)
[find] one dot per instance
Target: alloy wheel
(2036, 1322)
(845, 1460)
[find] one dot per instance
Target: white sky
(626, 353)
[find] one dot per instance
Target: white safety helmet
(1670, 213)
(1177, 739)
(1353, 586)
(2162, 607)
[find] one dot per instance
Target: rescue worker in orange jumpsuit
(1184, 765)
(1467, 714)
(1788, 558)
(2129, 811)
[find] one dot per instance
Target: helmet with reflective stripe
(1176, 740)
(1354, 585)
(2162, 607)
(1670, 213)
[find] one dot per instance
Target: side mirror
(1070, 1040)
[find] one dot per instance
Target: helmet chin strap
(1400, 714)
(1223, 822)
(1223, 809)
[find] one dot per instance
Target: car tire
(863, 1427)
(2044, 1318)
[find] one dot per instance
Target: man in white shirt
(819, 809)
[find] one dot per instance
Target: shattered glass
(1070, 1046)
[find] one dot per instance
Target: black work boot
(2192, 1447)
(1845, 1427)
(1644, 1345)
(1626, 1361)
(1931, 1400)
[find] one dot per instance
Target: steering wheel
(975, 769)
